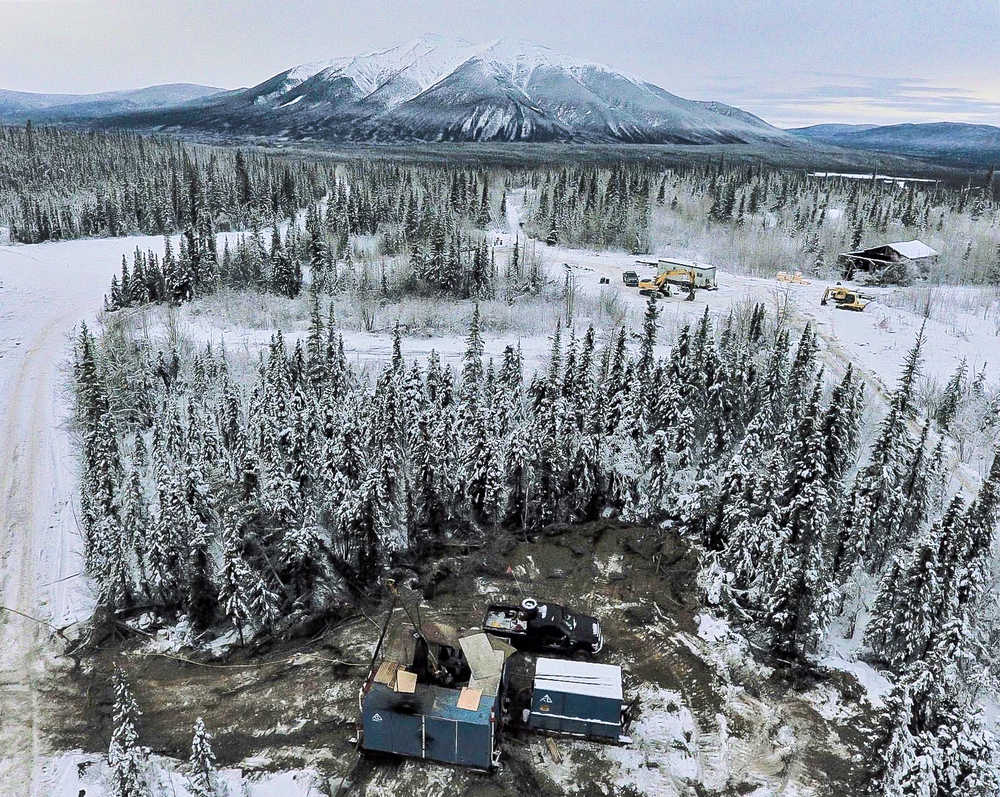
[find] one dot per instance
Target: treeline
(593, 207)
(436, 218)
(57, 185)
(625, 207)
(197, 270)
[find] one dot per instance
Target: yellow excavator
(845, 298)
(660, 284)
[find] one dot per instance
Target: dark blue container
(428, 724)
(577, 697)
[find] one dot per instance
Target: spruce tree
(126, 758)
(203, 779)
(799, 608)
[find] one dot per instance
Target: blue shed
(429, 723)
(577, 697)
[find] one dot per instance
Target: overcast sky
(791, 62)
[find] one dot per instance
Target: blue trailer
(578, 698)
(429, 723)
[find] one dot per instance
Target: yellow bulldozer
(845, 298)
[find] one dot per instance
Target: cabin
(578, 698)
(894, 263)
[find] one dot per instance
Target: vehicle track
(28, 426)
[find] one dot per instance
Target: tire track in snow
(27, 430)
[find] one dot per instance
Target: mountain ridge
(18, 106)
(955, 142)
(435, 88)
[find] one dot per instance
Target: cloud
(841, 97)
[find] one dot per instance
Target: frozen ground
(45, 290)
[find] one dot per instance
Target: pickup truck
(544, 627)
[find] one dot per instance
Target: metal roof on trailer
(579, 678)
(677, 261)
(914, 250)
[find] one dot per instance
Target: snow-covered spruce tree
(301, 563)
(873, 514)
(645, 364)
(745, 522)
(127, 760)
(235, 577)
(841, 425)
(102, 462)
(953, 391)
(905, 616)
(801, 373)
(316, 343)
(203, 778)
(799, 607)
(933, 742)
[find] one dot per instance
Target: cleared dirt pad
(708, 715)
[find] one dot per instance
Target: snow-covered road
(45, 291)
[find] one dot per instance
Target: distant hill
(436, 88)
(18, 106)
(952, 142)
(440, 89)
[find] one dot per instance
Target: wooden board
(386, 673)
(469, 699)
(406, 681)
(553, 750)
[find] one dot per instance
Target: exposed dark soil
(296, 702)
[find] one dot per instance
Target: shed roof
(914, 250)
(579, 678)
(430, 701)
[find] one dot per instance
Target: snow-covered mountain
(21, 105)
(436, 88)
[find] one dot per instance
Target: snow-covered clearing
(46, 289)
(875, 340)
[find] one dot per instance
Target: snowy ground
(875, 340)
(46, 289)
(74, 774)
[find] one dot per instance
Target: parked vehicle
(544, 626)
(631, 279)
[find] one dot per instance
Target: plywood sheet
(406, 682)
(386, 673)
(469, 699)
